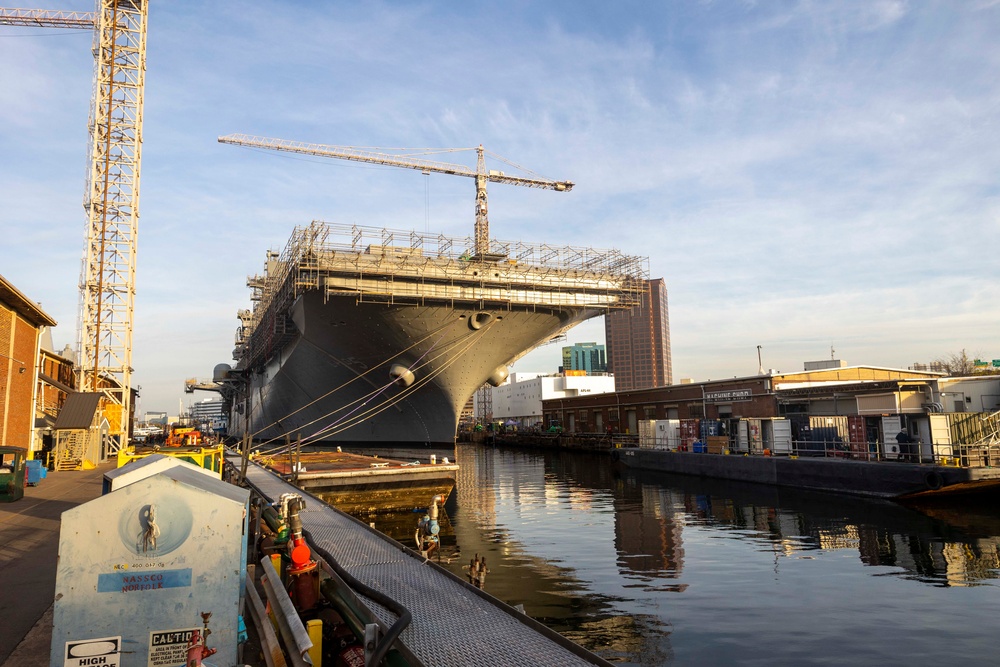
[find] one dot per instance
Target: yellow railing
(210, 458)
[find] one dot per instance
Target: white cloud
(802, 174)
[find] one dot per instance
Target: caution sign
(103, 652)
(168, 648)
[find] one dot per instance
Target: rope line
(339, 425)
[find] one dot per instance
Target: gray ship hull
(334, 381)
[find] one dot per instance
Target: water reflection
(927, 543)
(650, 568)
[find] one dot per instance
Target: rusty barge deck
(356, 484)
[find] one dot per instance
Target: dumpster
(11, 473)
(36, 471)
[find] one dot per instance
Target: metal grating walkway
(453, 623)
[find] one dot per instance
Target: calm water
(651, 569)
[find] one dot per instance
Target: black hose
(403, 614)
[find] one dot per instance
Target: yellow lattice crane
(107, 283)
(406, 159)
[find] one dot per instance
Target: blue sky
(802, 174)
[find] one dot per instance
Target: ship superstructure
(367, 335)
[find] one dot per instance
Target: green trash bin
(12, 473)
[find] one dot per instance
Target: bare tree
(958, 364)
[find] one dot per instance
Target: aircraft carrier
(369, 336)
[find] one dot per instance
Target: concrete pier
(29, 548)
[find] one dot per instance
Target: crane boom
(406, 160)
(46, 18)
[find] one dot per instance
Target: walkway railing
(985, 453)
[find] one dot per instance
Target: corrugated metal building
(80, 432)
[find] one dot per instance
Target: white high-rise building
(209, 411)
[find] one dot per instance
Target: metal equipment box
(138, 567)
(147, 467)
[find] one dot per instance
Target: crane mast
(406, 160)
(111, 199)
(107, 287)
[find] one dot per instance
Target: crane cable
(363, 400)
(412, 367)
(334, 429)
(356, 377)
(329, 429)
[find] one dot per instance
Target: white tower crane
(407, 161)
(107, 283)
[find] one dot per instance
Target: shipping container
(857, 437)
(755, 435)
(828, 437)
(668, 434)
(746, 435)
(689, 433)
(891, 425)
(939, 447)
(647, 433)
(777, 435)
(968, 428)
(739, 439)
(710, 427)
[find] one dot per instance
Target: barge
(877, 479)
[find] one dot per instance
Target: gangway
(454, 623)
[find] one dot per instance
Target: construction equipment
(46, 18)
(406, 160)
(107, 283)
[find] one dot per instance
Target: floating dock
(453, 623)
(356, 483)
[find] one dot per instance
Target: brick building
(621, 411)
(828, 391)
(21, 325)
(56, 381)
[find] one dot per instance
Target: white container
(668, 434)
(138, 566)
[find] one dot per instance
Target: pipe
(265, 631)
(403, 614)
(292, 629)
(276, 523)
